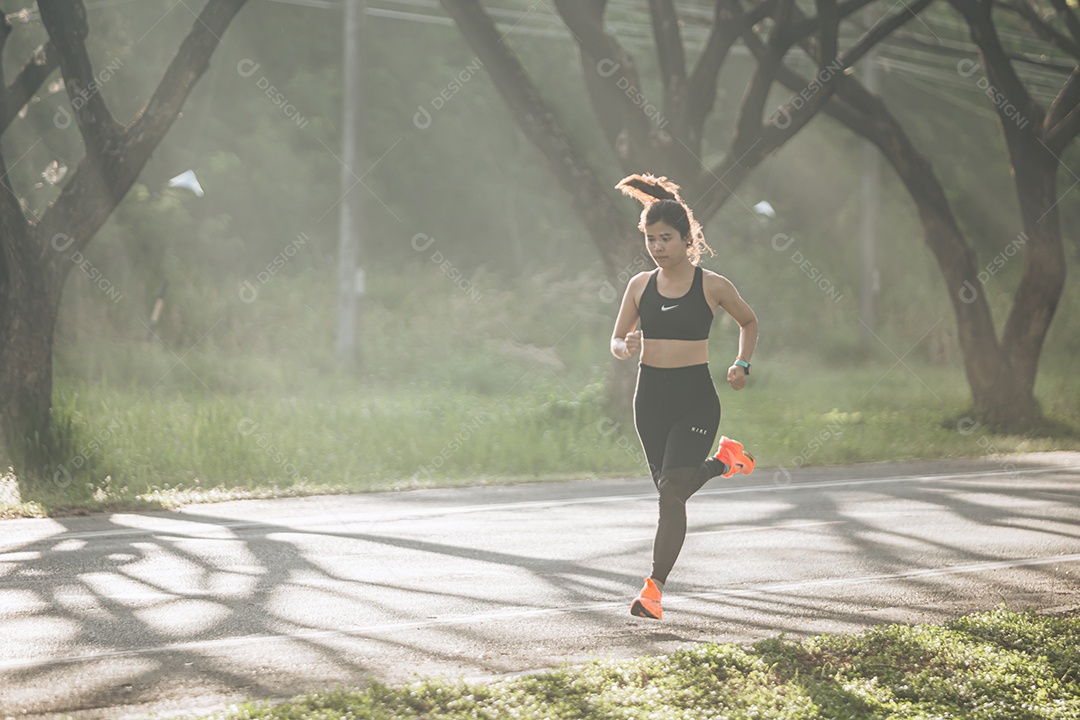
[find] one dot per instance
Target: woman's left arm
(728, 298)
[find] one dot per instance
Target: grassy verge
(232, 399)
(132, 447)
(990, 666)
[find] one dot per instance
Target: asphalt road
(127, 614)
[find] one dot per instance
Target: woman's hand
(736, 375)
(625, 340)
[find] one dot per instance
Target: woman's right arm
(625, 340)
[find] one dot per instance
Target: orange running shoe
(647, 603)
(731, 453)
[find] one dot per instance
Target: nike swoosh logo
(665, 308)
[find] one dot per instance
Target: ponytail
(649, 188)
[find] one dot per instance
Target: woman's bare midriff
(674, 353)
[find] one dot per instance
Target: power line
(909, 52)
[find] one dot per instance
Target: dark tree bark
(36, 253)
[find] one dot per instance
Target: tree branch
(15, 248)
(672, 59)
(1069, 17)
(999, 68)
(758, 141)
(748, 124)
(1029, 13)
(830, 77)
(89, 196)
(609, 71)
(964, 51)
(65, 21)
(831, 68)
(192, 59)
(728, 19)
(1063, 121)
(807, 26)
(828, 22)
(882, 30)
(589, 197)
(15, 96)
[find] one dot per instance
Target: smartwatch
(743, 364)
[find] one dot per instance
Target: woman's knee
(675, 481)
(672, 496)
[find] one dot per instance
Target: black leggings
(677, 413)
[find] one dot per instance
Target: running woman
(665, 315)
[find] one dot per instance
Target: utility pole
(350, 270)
(869, 202)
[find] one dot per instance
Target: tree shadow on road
(99, 624)
(124, 634)
(1028, 498)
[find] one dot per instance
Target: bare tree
(1001, 370)
(37, 251)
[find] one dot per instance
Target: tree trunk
(35, 258)
(27, 320)
(1034, 139)
(1001, 375)
(1009, 400)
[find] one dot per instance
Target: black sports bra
(685, 318)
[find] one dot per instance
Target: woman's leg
(653, 416)
(682, 474)
(676, 413)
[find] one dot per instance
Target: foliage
(994, 666)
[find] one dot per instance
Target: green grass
(235, 399)
(168, 446)
(999, 665)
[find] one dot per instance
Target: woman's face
(665, 245)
